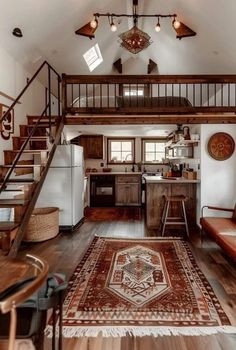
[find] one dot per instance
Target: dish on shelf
(106, 170)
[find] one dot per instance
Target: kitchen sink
(151, 174)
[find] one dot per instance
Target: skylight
(93, 57)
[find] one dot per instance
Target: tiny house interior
(117, 175)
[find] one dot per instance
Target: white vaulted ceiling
(48, 27)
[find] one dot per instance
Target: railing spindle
(228, 95)
(222, 95)
(93, 96)
(49, 102)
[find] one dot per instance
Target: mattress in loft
(130, 102)
(162, 101)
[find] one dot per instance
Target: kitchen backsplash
(96, 164)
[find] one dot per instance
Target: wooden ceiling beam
(149, 79)
(118, 65)
(151, 66)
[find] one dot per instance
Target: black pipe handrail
(47, 106)
(26, 87)
(8, 174)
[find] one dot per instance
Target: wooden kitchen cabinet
(92, 145)
(128, 190)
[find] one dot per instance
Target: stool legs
(164, 216)
(185, 218)
(170, 220)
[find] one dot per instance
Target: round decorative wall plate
(221, 146)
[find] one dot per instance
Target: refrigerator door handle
(93, 188)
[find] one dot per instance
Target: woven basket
(43, 225)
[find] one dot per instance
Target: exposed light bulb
(94, 23)
(158, 27)
(176, 24)
(113, 27)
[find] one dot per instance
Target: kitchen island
(157, 188)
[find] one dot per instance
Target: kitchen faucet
(129, 154)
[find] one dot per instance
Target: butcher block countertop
(160, 179)
(114, 173)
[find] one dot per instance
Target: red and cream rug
(141, 287)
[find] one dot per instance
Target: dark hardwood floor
(65, 251)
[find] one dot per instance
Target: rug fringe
(159, 238)
(72, 332)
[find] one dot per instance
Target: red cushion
(223, 231)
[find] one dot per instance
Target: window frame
(121, 139)
(97, 58)
(146, 88)
(156, 140)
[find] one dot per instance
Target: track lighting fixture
(135, 40)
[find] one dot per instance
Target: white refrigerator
(64, 185)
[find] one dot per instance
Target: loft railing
(149, 94)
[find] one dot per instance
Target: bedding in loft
(130, 102)
(161, 101)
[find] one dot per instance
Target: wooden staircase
(21, 190)
(26, 164)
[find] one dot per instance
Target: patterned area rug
(112, 214)
(141, 287)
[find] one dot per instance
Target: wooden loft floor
(65, 251)
(149, 99)
(148, 119)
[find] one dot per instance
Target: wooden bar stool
(166, 219)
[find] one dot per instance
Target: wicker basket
(43, 225)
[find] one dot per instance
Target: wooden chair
(220, 228)
(20, 278)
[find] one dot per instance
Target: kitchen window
(153, 151)
(120, 150)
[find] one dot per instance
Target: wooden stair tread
(5, 203)
(12, 190)
(19, 181)
(43, 125)
(33, 138)
(28, 150)
(40, 126)
(21, 166)
(8, 225)
(43, 117)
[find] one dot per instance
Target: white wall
(218, 178)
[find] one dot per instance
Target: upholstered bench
(221, 229)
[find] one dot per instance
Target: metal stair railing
(47, 108)
(59, 124)
(26, 216)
